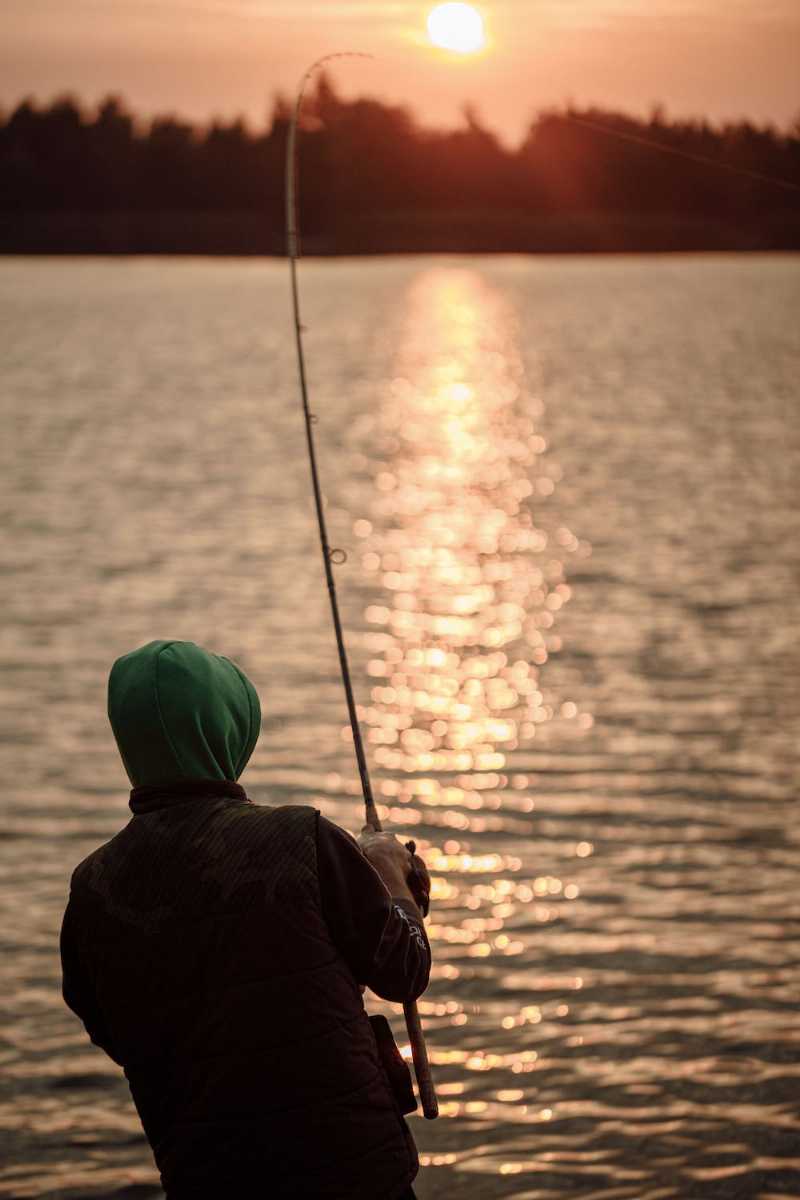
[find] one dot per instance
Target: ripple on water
(567, 491)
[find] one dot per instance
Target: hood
(180, 713)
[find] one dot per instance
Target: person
(218, 949)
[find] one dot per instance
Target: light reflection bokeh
(470, 579)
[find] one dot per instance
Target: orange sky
(722, 58)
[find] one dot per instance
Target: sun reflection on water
(472, 582)
(470, 576)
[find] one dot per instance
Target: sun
(457, 27)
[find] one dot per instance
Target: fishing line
(703, 159)
(636, 139)
(334, 557)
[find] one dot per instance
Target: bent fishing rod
(331, 557)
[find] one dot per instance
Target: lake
(567, 488)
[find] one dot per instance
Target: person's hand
(388, 856)
(399, 866)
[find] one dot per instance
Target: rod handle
(422, 1067)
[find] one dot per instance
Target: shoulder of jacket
(288, 812)
(299, 820)
(289, 830)
(86, 869)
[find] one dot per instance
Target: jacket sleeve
(381, 938)
(76, 986)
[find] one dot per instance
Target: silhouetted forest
(372, 179)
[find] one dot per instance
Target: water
(568, 491)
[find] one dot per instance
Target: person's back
(214, 948)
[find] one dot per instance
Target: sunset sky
(721, 58)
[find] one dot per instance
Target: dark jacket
(214, 949)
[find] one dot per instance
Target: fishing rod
(427, 1093)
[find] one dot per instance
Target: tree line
(373, 178)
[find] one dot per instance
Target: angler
(217, 951)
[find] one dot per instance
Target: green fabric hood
(180, 713)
